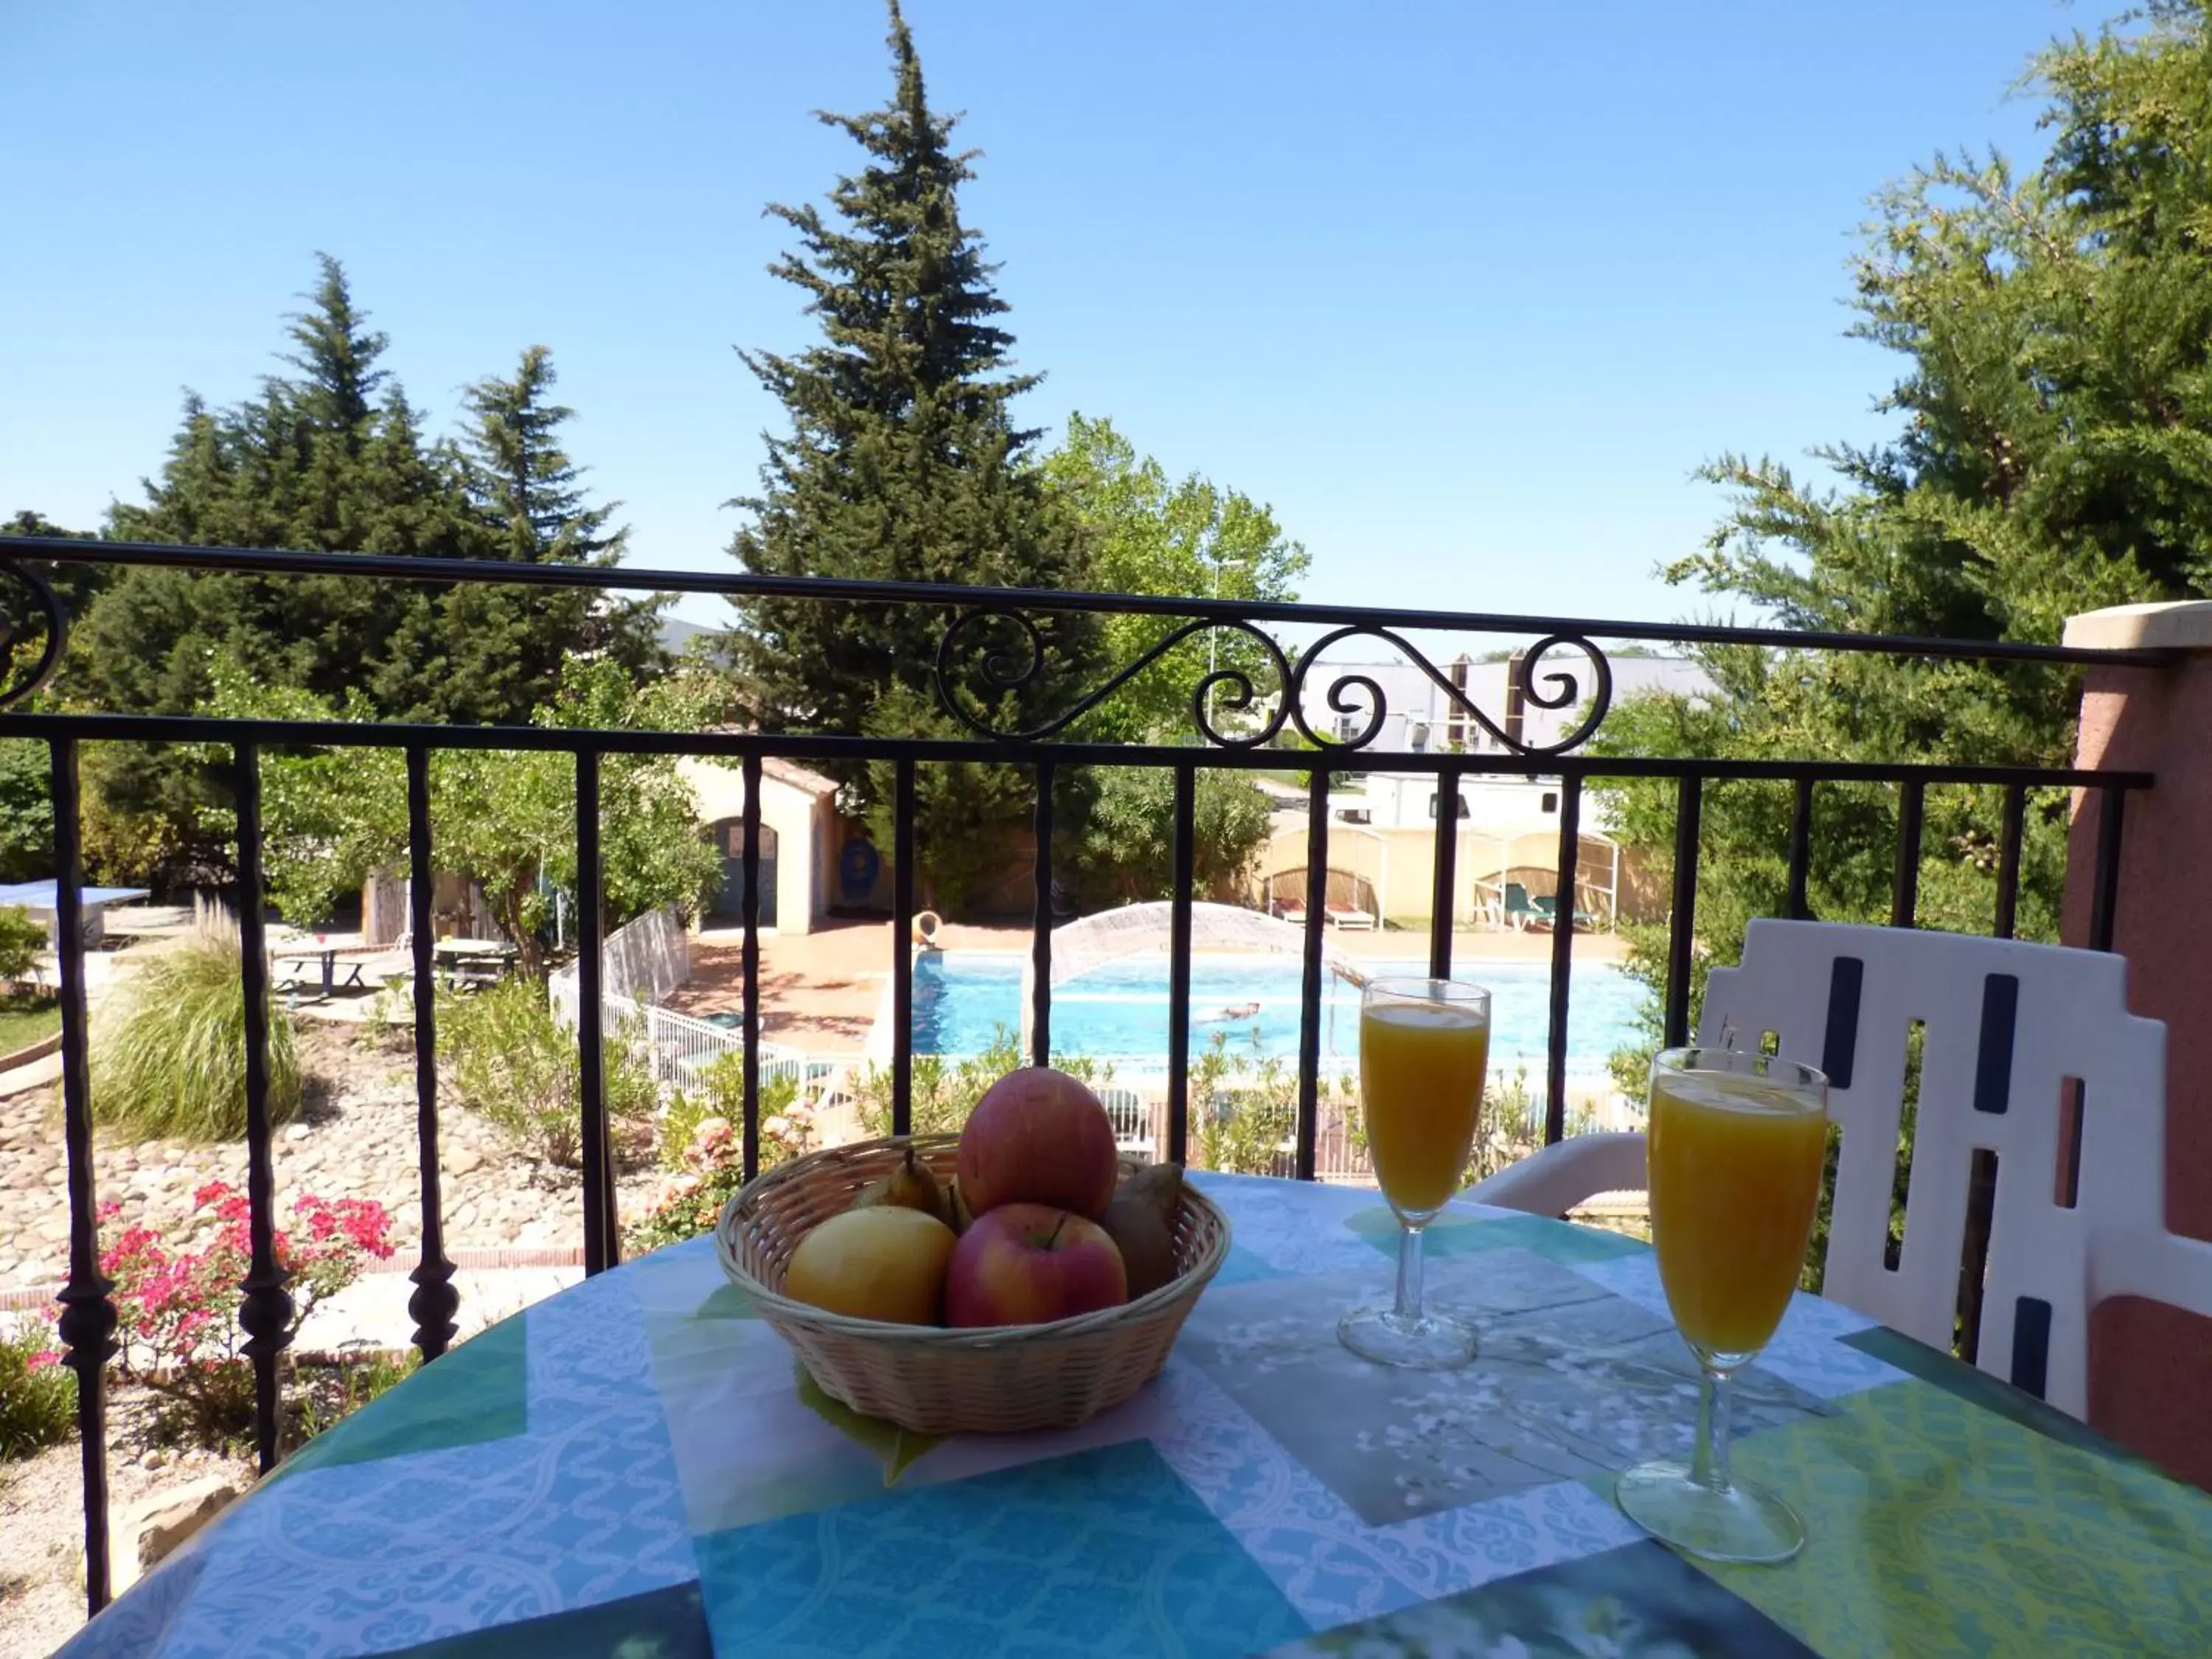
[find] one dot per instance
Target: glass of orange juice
(1423, 1050)
(1737, 1143)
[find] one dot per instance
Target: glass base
(1738, 1524)
(1431, 1342)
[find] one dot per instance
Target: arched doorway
(726, 905)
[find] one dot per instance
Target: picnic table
(472, 961)
(292, 956)
(637, 1465)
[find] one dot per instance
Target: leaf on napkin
(898, 1448)
(726, 1302)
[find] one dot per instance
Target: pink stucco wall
(2150, 1379)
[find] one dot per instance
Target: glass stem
(1409, 1271)
(1708, 1468)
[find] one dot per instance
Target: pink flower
(42, 1360)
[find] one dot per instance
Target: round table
(635, 1466)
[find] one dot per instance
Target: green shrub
(38, 1393)
(23, 937)
(168, 1046)
(1510, 1129)
(514, 1064)
(702, 1139)
(325, 1392)
(945, 1092)
(787, 1127)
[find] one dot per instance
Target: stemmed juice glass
(1736, 1144)
(1424, 1051)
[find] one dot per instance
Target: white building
(1422, 717)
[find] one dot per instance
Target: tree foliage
(1150, 534)
(504, 820)
(902, 462)
(330, 456)
(1124, 850)
(2052, 454)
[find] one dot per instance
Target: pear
(1141, 1222)
(955, 1203)
(911, 1186)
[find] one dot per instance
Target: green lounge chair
(1519, 912)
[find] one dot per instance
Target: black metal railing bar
(838, 590)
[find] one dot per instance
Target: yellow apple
(885, 1263)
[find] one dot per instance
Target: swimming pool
(964, 999)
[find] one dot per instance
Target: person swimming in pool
(1235, 1010)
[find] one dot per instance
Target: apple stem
(1052, 1238)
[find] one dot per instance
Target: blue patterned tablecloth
(636, 1468)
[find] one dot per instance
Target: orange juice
(1421, 1066)
(1735, 1177)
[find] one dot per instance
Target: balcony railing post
(750, 965)
(2008, 846)
(1185, 850)
(902, 857)
(266, 1311)
(1682, 918)
(1444, 890)
(1040, 926)
(1562, 956)
(435, 1301)
(1310, 987)
(1801, 850)
(1905, 897)
(87, 1325)
(600, 1247)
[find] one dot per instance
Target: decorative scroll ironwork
(1349, 693)
(1002, 673)
(27, 679)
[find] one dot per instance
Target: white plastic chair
(2006, 1024)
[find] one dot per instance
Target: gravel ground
(42, 1523)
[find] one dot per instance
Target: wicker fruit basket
(1001, 1380)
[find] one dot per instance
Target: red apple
(1039, 1136)
(1026, 1264)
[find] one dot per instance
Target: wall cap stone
(2179, 624)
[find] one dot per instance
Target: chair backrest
(2005, 1025)
(1517, 897)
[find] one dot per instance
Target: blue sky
(1464, 290)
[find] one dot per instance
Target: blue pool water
(964, 999)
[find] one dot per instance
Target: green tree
(504, 820)
(1124, 851)
(1149, 534)
(902, 461)
(2053, 453)
(507, 644)
(330, 456)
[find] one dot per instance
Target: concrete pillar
(2150, 1369)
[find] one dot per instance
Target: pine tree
(330, 456)
(902, 461)
(526, 489)
(2053, 455)
(320, 460)
(504, 647)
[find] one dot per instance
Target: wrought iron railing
(1580, 679)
